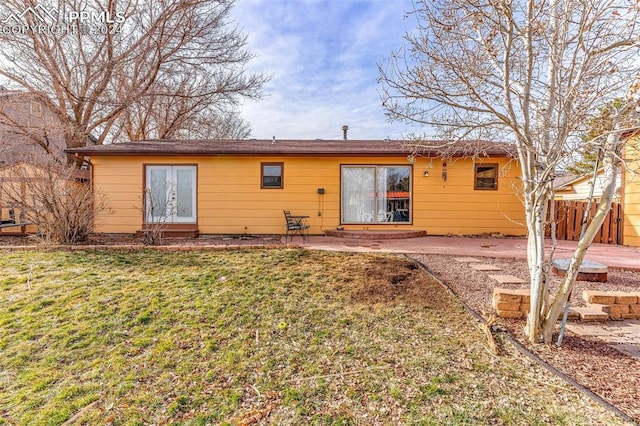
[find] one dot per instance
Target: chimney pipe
(344, 132)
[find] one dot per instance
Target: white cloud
(323, 57)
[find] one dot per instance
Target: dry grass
(281, 336)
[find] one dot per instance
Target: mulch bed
(591, 362)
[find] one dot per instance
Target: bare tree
(157, 208)
(223, 126)
(189, 109)
(55, 197)
(525, 71)
(27, 128)
(94, 62)
(589, 146)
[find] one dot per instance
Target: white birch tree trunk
(536, 218)
(535, 72)
(611, 163)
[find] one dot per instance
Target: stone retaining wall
(511, 303)
(514, 303)
(617, 304)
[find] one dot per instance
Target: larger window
(35, 108)
(376, 194)
(170, 194)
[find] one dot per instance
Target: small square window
(272, 175)
(486, 176)
(35, 109)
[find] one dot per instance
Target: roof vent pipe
(344, 132)
(273, 141)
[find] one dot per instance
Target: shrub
(57, 198)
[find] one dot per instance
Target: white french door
(170, 195)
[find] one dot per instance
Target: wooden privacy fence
(568, 219)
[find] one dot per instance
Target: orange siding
(631, 196)
(230, 200)
(119, 181)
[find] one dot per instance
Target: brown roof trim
(298, 148)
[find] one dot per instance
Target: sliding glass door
(358, 187)
(376, 194)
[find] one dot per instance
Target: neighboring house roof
(578, 186)
(561, 181)
(299, 147)
(565, 183)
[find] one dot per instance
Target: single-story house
(578, 187)
(243, 186)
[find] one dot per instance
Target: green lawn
(282, 336)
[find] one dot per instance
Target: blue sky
(322, 56)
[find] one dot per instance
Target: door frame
(172, 180)
(375, 167)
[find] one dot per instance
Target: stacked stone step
(586, 314)
(511, 303)
(616, 304)
(515, 303)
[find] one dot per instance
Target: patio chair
(296, 226)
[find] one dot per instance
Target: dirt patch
(388, 280)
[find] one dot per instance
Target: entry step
(590, 314)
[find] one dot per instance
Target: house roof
(298, 147)
(561, 183)
(569, 181)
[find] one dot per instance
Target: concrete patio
(619, 257)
